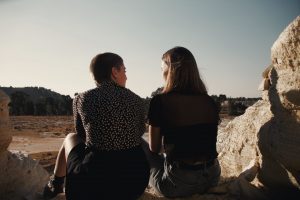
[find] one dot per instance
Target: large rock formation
(268, 134)
(20, 176)
(237, 142)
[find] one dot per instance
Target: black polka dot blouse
(109, 117)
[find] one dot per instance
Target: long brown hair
(182, 75)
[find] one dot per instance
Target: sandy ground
(40, 136)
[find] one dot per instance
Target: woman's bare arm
(155, 139)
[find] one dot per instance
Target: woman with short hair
(105, 153)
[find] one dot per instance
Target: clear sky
(50, 43)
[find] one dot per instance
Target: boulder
(237, 142)
(21, 178)
(269, 131)
(5, 136)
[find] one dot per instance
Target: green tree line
(37, 101)
(22, 104)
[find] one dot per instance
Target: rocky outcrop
(5, 137)
(285, 55)
(237, 142)
(268, 134)
(20, 176)
(279, 139)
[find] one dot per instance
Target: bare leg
(56, 182)
(69, 143)
(60, 164)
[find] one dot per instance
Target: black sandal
(53, 188)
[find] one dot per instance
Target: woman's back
(179, 109)
(189, 124)
(112, 117)
(111, 120)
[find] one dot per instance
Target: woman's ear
(114, 73)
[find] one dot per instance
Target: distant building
(224, 107)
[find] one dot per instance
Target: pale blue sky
(50, 43)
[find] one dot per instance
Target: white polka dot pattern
(109, 117)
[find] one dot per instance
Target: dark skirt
(106, 175)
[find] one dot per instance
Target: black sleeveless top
(188, 124)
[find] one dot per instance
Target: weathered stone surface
(237, 142)
(279, 139)
(285, 55)
(21, 178)
(5, 136)
(269, 131)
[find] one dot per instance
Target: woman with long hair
(183, 124)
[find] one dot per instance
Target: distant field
(41, 136)
(58, 125)
(55, 126)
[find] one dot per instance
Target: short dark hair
(102, 64)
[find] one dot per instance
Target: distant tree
(40, 108)
(216, 99)
(50, 106)
(66, 105)
(147, 100)
(157, 91)
(222, 98)
(231, 108)
(236, 108)
(18, 102)
(38, 101)
(29, 109)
